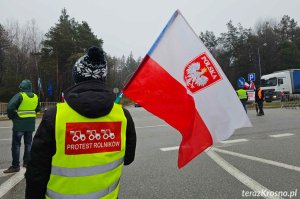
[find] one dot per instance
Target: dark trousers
(244, 103)
(16, 146)
(260, 105)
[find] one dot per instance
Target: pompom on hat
(91, 66)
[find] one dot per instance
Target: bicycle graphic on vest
(93, 135)
(76, 137)
(107, 134)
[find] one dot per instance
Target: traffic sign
(251, 77)
(241, 82)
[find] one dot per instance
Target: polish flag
(180, 82)
(252, 86)
(246, 85)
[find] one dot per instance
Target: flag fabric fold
(180, 82)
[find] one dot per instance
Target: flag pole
(118, 99)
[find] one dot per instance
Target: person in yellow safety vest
(82, 144)
(243, 96)
(259, 100)
(22, 109)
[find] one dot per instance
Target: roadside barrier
(44, 106)
(290, 101)
(3, 108)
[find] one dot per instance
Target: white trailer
(281, 82)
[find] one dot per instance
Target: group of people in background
(259, 99)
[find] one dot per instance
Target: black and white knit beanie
(91, 66)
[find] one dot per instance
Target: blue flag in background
(50, 91)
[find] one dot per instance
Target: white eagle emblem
(194, 75)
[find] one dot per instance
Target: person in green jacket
(22, 109)
(243, 96)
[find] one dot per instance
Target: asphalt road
(262, 160)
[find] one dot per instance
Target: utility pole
(35, 54)
(259, 66)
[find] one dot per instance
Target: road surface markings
(5, 127)
(224, 142)
(170, 148)
(271, 162)
(233, 141)
(143, 127)
(5, 139)
(11, 182)
(243, 178)
(281, 135)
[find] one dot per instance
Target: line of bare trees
(26, 53)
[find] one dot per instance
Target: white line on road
(142, 127)
(5, 127)
(271, 162)
(281, 135)
(11, 182)
(173, 148)
(5, 139)
(170, 148)
(233, 141)
(243, 178)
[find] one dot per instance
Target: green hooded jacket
(21, 124)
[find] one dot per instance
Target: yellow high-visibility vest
(242, 94)
(27, 106)
(89, 154)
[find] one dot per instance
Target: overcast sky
(133, 25)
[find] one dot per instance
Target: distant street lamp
(35, 54)
(259, 66)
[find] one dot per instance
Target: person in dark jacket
(22, 109)
(259, 100)
(90, 98)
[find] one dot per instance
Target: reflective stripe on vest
(86, 171)
(99, 194)
(242, 94)
(83, 173)
(27, 106)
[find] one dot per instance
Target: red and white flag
(246, 85)
(180, 82)
(252, 86)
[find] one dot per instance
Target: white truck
(279, 83)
